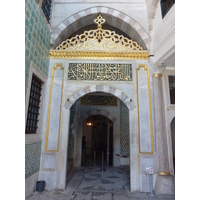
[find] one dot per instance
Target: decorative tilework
(37, 40)
(124, 129)
(32, 158)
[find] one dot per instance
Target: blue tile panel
(32, 158)
(124, 129)
(37, 40)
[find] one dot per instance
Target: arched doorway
(116, 138)
(104, 121)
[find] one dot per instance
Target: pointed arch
(113, 17)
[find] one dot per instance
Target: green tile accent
(27, 14)
(37, 47)
(37, 39)
(32, 158)
(124, 129)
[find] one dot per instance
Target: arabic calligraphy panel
(100, 72)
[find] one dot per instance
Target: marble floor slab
(90, 183)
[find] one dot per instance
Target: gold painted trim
(64, 54)
(49, 108)
(150, 109)
(105, 44)
(158, 75)
(164, 173)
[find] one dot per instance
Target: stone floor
(90, 183)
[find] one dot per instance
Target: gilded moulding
(150, 110)
(164, 173)
(99, 44)
(49, 108)
(158, 75)
(57, 54)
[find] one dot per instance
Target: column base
(164, 184)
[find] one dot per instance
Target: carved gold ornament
(99, 43)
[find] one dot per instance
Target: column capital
(159, 68)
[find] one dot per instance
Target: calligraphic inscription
(99, 100)
(100, 72)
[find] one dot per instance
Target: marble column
(62, 168)
(134, 173)
(161, 137)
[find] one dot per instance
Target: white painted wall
(163, 33)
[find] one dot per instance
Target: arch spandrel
(83, 18)
(99, 88)
(101, 44)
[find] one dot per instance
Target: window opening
(172, 89)
(46, 7)
(165, 6)
(34, 105)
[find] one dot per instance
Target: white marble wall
(144, 116)
(144, 162)
(163, 34)
(51, 127)
(53, 165)
(55, 110)
(30, 184)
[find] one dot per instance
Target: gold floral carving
(99, 43)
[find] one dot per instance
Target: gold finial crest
(99, 43)
(99, 21)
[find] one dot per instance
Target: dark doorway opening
(98, 132)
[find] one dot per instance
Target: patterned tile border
(124, 130)
(32, 158)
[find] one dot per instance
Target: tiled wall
(37, 39)
(124, 129)
(37, 46)
(32, 158)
